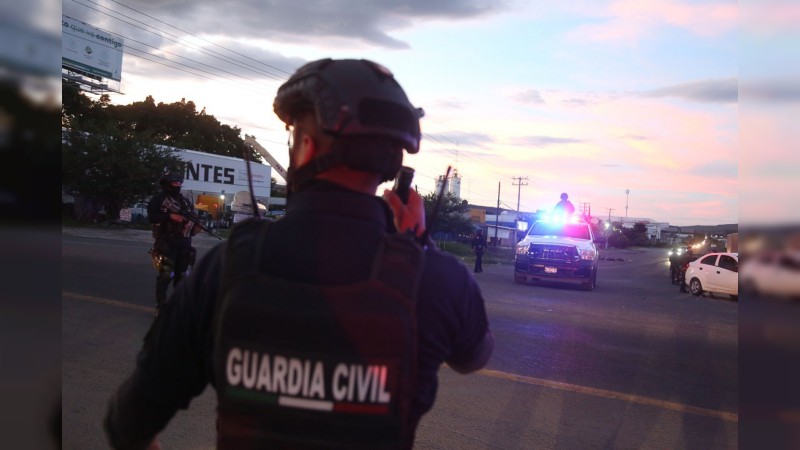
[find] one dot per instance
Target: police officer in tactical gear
(172, 251)
(564, 206)
(325, 329)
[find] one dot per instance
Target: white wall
(213, 174)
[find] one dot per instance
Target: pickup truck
(559, 250)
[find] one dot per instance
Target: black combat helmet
(170, 176)
(361, 105)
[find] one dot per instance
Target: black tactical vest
(306, 366)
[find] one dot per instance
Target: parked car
(139, 213)
(715, 273)
(772, 274)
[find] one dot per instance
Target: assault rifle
(173, 206)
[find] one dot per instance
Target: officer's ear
(305, 150)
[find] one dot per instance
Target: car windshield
(573, 230)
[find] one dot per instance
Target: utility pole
(497, 215)
(609, 214)
(519, 185)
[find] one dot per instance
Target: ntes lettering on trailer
(209, 173)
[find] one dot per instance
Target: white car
(772, 274)
(714, 272)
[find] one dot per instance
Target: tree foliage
(176, 124)
(618, 240)
(115, 153)
(637, 235)
(113, 168)
(451, 217)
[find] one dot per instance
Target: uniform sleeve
(472, 345)
(172, 366)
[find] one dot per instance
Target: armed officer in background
(327, 328)
(172, 250)
(564, 206)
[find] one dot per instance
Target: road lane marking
(106, 301)
(679, 407)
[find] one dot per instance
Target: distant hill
(711, 229)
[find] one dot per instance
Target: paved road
(633, 364)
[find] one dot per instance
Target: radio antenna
(429, 227)
(247, 152)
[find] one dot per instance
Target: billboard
(206, 172)
(28, 50)
(90, 50)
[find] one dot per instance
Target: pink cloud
(771, 17)
(632, 19)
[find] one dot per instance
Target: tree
(111, 154)
(176, 124)
(30, 142)
(618, 240)
(180, 125)
(112, 167)
(275, 190)
(451, 217)
(637, 235)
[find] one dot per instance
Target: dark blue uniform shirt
(329, 236)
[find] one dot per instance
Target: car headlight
(588, 254)
(522, 249)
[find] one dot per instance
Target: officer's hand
(409, 216)
(196, 229)
(175, 217)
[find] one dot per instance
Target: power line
(178, 39)
(167, 65)
(188, 59)
(198, 37)
(217, 76)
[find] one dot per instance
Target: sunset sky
(589, 97)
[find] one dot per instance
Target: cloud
(544, 141)
(293, 22)
(529, 97)
(716, 169)
(459, 138)
(450, 103)
(633, 137)
(724, 90)
(630, 20)
(771, 91)
(575, 101)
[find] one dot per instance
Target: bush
(619, 240)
